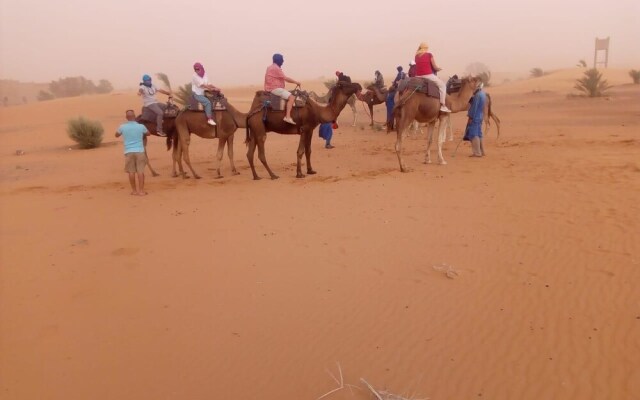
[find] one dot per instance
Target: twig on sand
(371, 388)
(447, 270)
(339, 382)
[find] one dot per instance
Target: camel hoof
(174, 175)
(443, 162)
(274, 177)
(235, 173)
(154, 174)
(219, 177)
(311, 172)
(300, 176)
(256, 178)
(197, 176)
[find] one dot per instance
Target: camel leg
(371, 112)
(219, 155)
(299, 153)
(402, 126)
(184, 143)
(307, 153)
(263, 158)
(234, 171)
(449, 128)
(442, 135)
(430, 128)
(177, 159)
(355, 114)
(251, 148)
(144, 142)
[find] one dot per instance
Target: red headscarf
(199, 69)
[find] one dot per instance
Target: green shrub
(635, 75)
(582, 64)
(87, 133)
(592, 83)
(184, 94)
(44, 96)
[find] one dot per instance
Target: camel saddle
(380, 92)
(170, 111)
(420, 85)
(276, 103)
(454, 84)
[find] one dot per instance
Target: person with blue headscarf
(473, 132)
(148, 92)
(274, 82)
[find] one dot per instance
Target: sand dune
(232, 288)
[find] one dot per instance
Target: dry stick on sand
(340, 383)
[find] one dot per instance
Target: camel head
(347, 88)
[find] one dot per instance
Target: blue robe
(326, 131)
(476, 115)
(390, 102)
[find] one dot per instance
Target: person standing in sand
(200, 83)
(274, 82)
(148, 92)
(135, 158)
(427, 68)
(473, 132)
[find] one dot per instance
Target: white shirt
(148, 95)
(196, 82)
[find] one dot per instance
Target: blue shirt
(132, 135)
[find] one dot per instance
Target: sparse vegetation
(88, 134)
(44, 96)
(330, 83)
(536, 72)
(635, 75)
(582, 64)
(592, 83)
(78, 85)
(164, 78)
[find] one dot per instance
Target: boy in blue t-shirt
(135, 158)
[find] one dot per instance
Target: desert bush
(330, 83)
(536, 72)
(592, 83)
(87, 133)
(635, 75)
(104, 86)
(184, 94)
(582, 64)
(44, 96)
(164, 78)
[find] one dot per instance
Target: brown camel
(169, 127)
(188, 122)
(325, 99)
(414, 105)
(372, 97)
(307, 118)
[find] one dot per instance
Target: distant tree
(72, 86)
(5, 101)
(635, 75)
(582, 64)
(184, 94)
(104, 86)
(536, 72)
(87, 133)
(592, 83)
(44, 96)
(24, 100)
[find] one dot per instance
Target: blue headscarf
(146, 80)
(278, 59)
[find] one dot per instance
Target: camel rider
(473, 132)
(148, 92)
(412, 69)
(400, 76)
(274, 82)
(379, 80)
(342, 77)
(200, 83)
(426, 67)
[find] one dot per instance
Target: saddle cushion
(421, 85)
(148, 115)
(276, 103)
(454, 84)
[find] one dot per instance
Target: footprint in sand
(125, 251)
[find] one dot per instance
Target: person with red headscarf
(200, 83)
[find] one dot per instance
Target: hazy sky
(119, 40)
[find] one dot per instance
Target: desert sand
(242, 289)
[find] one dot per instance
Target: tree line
(74, 86)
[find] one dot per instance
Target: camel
(325, 99)
(188, 122)
(414, 105)
(307, 118)
(169, 127)
(372, 98)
